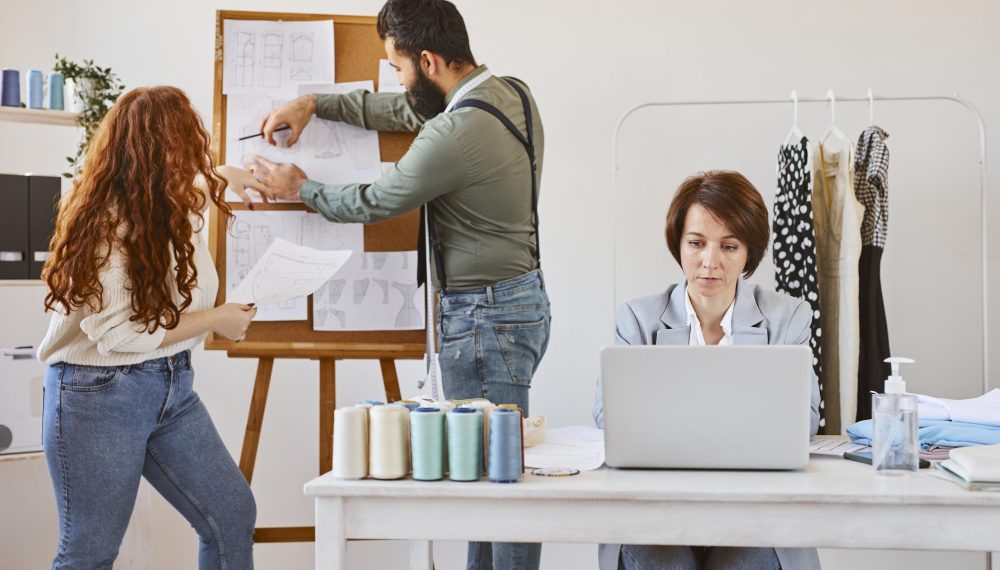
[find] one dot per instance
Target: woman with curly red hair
(132, 288)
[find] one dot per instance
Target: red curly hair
(136, 194)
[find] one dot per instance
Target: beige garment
(108, 337)
(837, 218)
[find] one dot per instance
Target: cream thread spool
(350, 443)
(388, 446)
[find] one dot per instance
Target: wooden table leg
(255, 418)
(327, 403)
(390, 380)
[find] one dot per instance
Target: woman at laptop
(718, 231)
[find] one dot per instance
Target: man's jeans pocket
(522, 346)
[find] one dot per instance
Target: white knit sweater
(108, 337)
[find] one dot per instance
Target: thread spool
(56, 82)
(11, 92)
(350, 443)
(465, 444)
(408, 404)
(388, 453)
(427, 444)
(521, 412)
(36, 88)
(487, 409)
(505, 463)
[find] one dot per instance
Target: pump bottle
(895, 445)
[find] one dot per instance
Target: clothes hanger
(833, 130)
(794, 135)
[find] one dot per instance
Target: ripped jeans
(491, 341)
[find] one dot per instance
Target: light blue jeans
(647, 557)
(492, 340)
(105, 427)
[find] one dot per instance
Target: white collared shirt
(697, 337)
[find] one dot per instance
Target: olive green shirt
(465, 164)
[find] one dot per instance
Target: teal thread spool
(465, 444)
(427, 444)
(505, 446)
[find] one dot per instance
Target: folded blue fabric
(936, 432)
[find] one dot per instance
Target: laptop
(706, 407)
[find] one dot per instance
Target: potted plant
(96, 89)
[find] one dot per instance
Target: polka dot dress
(794, 240)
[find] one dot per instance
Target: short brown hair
(733, 200)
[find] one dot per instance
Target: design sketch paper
(581, 447)
(253, 232)
(375, 291)
(328, 151)
(387, 78)
(272, 58)
(287, 271)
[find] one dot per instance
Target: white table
(834, 503)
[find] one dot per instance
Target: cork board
(357, 50)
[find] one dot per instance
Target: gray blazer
(760, 317)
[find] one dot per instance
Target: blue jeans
(491, 341)
(104, 427)
(649, 557)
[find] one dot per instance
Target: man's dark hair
(432, 25)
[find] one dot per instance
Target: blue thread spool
(427, 444)
(465, 444)
(505, 446)
(11, 96)
(36, 88)
(56, 83)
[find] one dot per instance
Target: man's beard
(424, 96)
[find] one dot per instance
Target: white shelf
(37, 116)
(22, 456)
(21, 282)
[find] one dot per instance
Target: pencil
(284, 128)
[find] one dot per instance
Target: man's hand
(295, 113)
(280, 179)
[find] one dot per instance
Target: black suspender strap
(529, 147)
(528, 143)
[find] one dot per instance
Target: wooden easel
(357, 49)
(327, 403)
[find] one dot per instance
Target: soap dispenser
(895, 444)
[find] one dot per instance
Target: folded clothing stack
(979, 464)
(948, 423)
(984, 410)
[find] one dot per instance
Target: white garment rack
(869, 100)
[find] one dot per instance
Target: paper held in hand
(287, 271)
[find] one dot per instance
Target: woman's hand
(231, 320)
(239, 180)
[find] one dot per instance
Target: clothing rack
(976, 115)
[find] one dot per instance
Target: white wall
(586, 61)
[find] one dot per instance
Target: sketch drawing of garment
(361, 290)
(408, 315)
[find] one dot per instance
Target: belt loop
(489, 294)
(170, 363)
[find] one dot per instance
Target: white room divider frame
(870, 100)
